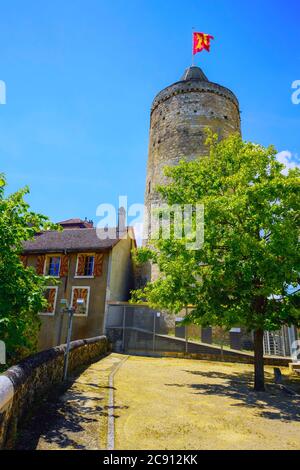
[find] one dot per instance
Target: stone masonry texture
(179, 116)
(34, 377)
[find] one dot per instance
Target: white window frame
(46, 265)
(51, 314)
(83, 277)
(87, 302)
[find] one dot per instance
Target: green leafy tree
(247, 271)
(21, 289)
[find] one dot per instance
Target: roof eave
(68, 250)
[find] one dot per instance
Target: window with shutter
(85, 265)
(54, 266)
(89, 266)
(82, 293)
(51, 297)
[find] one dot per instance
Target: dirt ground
(171, 404)
(166, 404)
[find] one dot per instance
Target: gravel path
(165, 404)
(75, 419)
(183, 404)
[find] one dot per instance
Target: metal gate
(279, 343)
(137, 328)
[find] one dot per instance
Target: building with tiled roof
(84, 263)
(77, 223)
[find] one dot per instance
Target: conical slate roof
(193, 80)
(194, 73)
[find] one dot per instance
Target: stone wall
(31, 380)
(179, 116)
(241, 358)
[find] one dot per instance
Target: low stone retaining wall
(243, 359)
(140, 342)
(32, 379)
(275, 361)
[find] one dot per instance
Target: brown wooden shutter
(24, 260)
(40, 263)
(64, 266)
(75, 297)
(98, 264)
(83, 294)
(51, 300)
(80, 265)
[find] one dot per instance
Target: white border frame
(48, 314)
(46, 264)
(84, 277)
(87, 302)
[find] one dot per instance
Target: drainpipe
(61, 315)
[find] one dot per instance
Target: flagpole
(193, 29)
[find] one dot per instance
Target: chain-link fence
(135, 328)
(138, 329)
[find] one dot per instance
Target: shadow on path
(70, 417)
(273, 404)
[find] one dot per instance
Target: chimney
(122, 222)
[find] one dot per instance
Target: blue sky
(81, 76)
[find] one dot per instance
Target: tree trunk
(259, 379)
(222, 351)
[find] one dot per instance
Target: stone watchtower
(179, 115)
